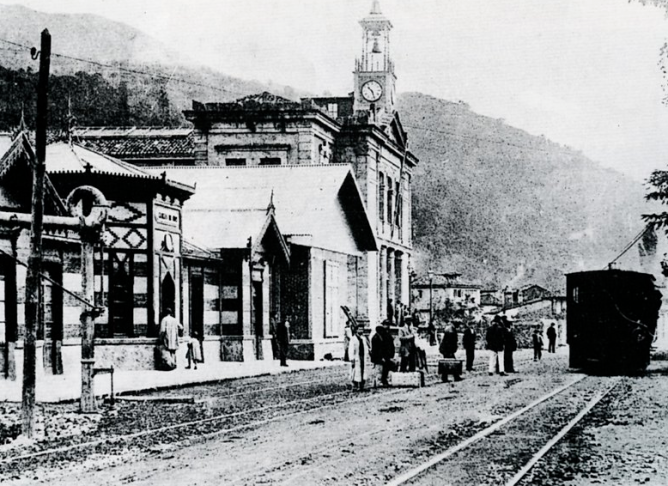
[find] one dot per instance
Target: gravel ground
(359, 439)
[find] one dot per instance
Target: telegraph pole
(32, 314)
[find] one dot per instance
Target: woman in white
(360, 359)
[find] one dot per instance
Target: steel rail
(144, 433)
(560, 435)
(411, 474)
(136, 435)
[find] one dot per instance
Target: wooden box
(414, 379)
(450, 366)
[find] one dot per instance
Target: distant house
(491, 300)
(431, 293)
(512, 297)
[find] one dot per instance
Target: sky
(584, 73)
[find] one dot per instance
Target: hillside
(125, 57)
(505, 207)
(493, 202)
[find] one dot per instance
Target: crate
(413, 379)
(450, 367)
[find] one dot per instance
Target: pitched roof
(319, 206)
(63, 158)
(138, 143)
(16, 156)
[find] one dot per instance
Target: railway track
(459, 464)
(206, 428)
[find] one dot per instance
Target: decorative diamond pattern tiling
(134, 238)
(126, 213)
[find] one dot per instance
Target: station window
(576, 294)
(235, 162)
(270, 161)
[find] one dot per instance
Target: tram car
(611, 319)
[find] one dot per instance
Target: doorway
(197, 304)
(167, 295)
(258, 319)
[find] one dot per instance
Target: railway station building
(362, 130)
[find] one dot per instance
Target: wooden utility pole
(32, 314)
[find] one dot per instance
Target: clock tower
(374, 71)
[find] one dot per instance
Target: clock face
(372, 90)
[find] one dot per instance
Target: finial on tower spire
(375, 8)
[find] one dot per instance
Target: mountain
(123, 55)
(492, 202)
(504, 207)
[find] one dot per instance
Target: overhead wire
(168, 78)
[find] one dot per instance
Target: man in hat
(551, 338)
(469, 345)
(537, 344)
(448, 348)
(382, 351)
(494, 338)
(509, 344)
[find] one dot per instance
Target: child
(194, 353)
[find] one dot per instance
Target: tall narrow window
(390, 200)
(400, 202)
(381, 196)
(121, 296)
(331, 299)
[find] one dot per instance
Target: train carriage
(611, 320)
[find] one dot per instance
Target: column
(391, 279)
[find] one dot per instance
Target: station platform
(62, 388)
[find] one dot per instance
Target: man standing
(469, 346)
(509, 346)
(494, 340)
(551, 338)
(283, 339)
(537, 345)
(169, 338)
(448, 348)
(407, 350)
(382, 351)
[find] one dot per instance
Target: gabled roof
(321, 206)
(62, 157)
(16, 159)
(65, 161)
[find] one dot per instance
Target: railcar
(611, 319)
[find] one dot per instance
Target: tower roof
(376, 17)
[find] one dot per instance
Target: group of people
(377, 356)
